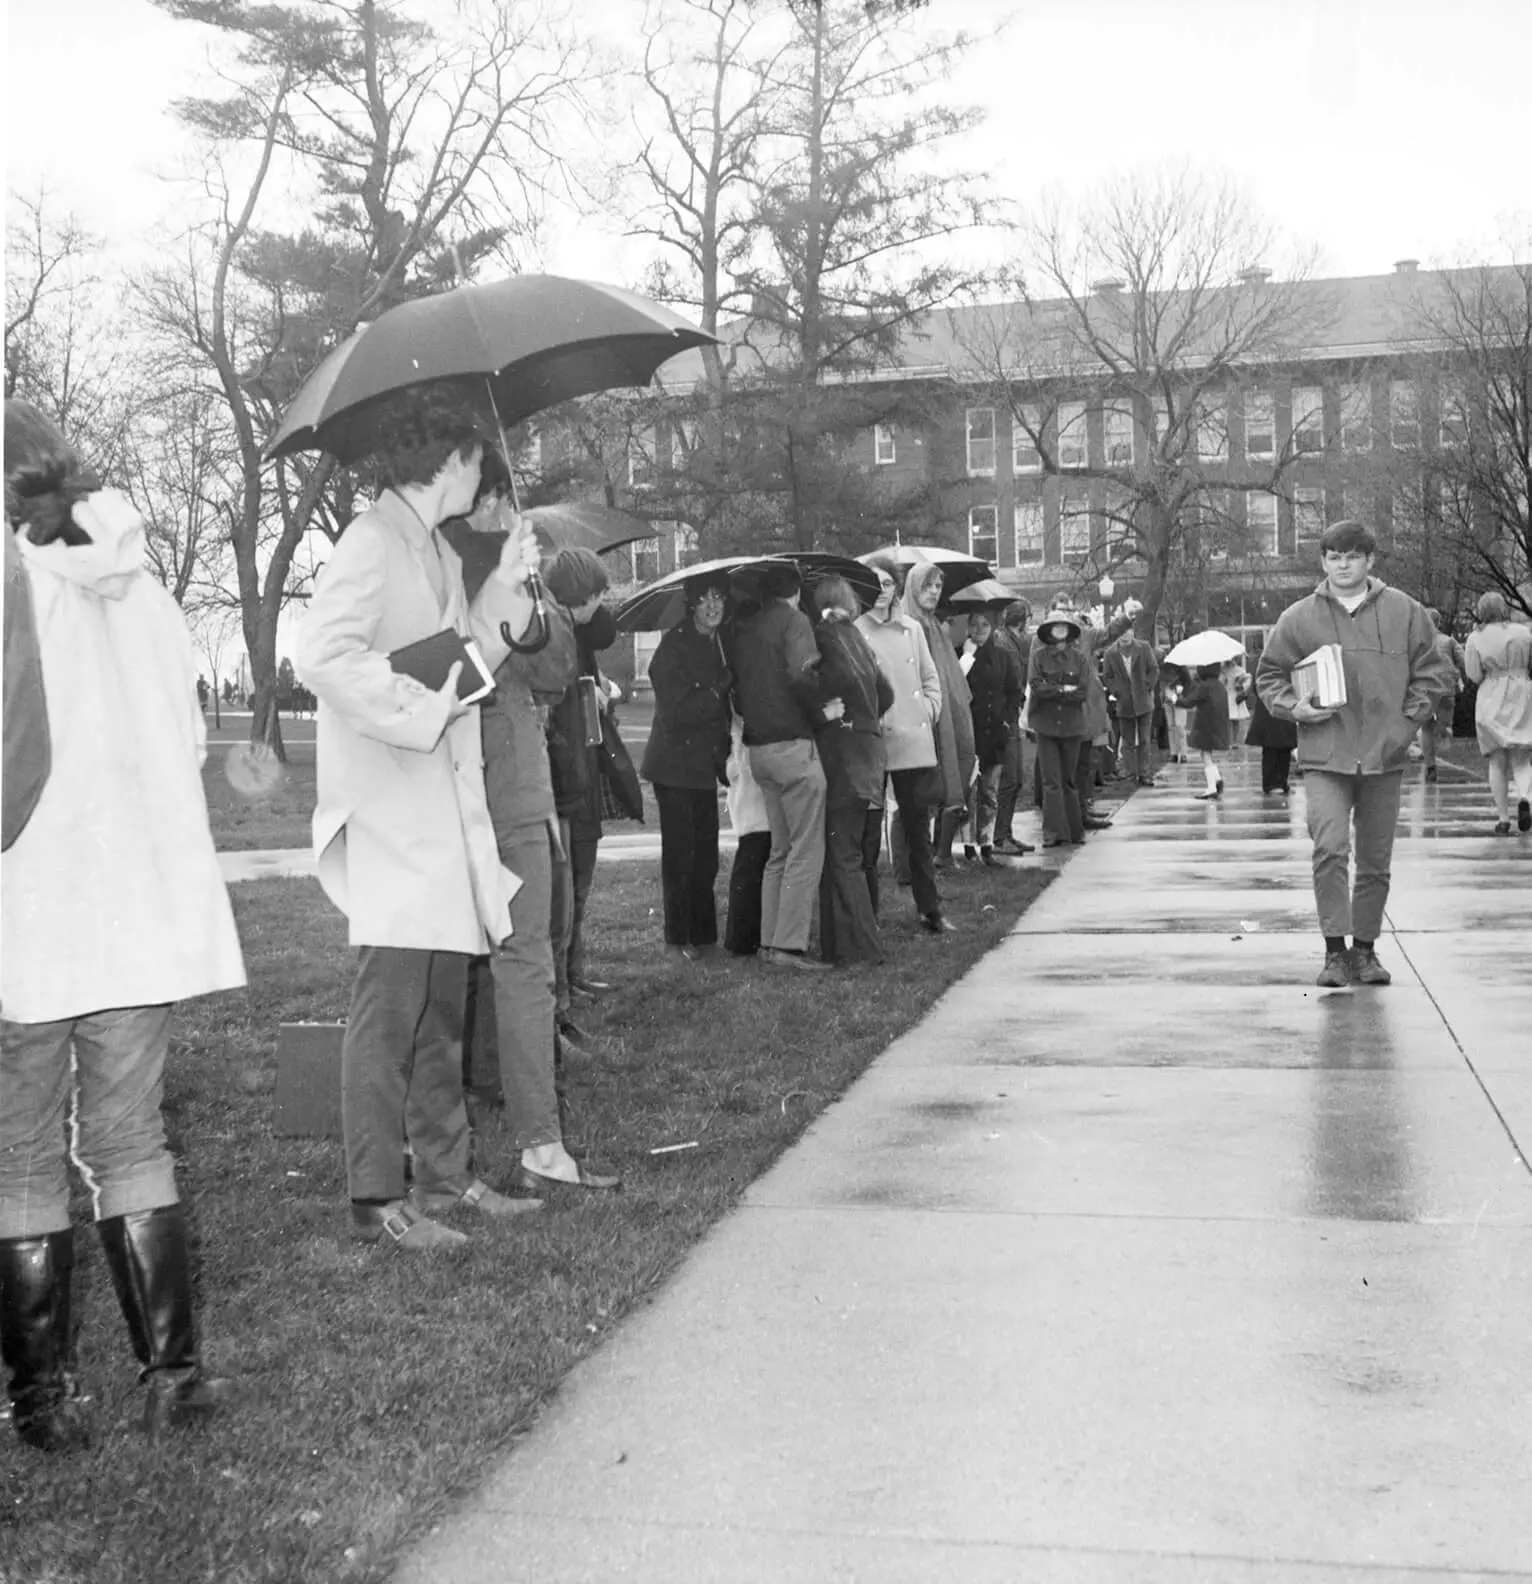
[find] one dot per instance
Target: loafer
(526, 1181)
(1096, 822)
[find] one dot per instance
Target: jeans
(848, 919)
(1276, 764)
(1336, 803)
(1138, 741)
(793, 780)
(688, 863)
(1062, 761)
(1013, 778)
(401, 1071)
(983, 803)
(523, 1006)
(99, 1079)
(1437, 729)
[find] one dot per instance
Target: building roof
(1342, 317)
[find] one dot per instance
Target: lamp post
(1106, 587)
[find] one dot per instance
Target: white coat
(112, 894)
(402, 832)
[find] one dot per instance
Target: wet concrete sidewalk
(1140, 1259)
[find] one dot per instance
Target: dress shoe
(478, 1195)
(1430, 772)
(1096, 822)
(1054, 841)
(590, 988)
(937, 924)
(523, 1180)
(1524, 815)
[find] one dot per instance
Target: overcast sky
(1378, 129)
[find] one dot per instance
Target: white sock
(1210, 770)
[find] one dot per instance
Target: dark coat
(994, 680)
(1209, 726)
(1131, 674)
(776, 674)
(576, 768)
(689, 742)
(1020, 645)
(1268, 730)
(1058, 677)
(852, 748)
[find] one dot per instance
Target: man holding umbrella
(402, 830)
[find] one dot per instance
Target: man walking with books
(1355, 727)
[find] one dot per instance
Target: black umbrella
(662, 603)
(516, 346)
(958, 568)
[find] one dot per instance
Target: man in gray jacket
(1353, 754)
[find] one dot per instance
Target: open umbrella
(662, 604)
(1206, 648)
(987, 594)
(959, 569)
(516, 345)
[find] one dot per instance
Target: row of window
(1261, 535)
(1123, 429)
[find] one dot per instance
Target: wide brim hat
(1056, 617)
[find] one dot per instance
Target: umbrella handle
(534, 582)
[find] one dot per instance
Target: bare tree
(1469, 490)
(1152, 299)
(420, 153)
(60, 339)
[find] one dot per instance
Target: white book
(1321, 677)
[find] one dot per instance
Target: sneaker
(1336, 973)
(1366, 969)
(1524, 815)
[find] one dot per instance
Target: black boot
(35, 1340)
(148, 1258)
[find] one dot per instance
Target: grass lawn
(380, 1387)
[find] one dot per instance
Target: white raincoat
(402, 831)
(112, 895)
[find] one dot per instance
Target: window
(1025, 457)
(646, 560)
(1212, 429)
(1308, 419)
(1404, 415)
(686, 545)
(1160, 417)
(981, 439)
(1356, 418)
(1308, 517)
(683, 441)
(1074, 529)
(983, 536)
(1452, 407)
(1455, 505)
(1029, 533)
(1117, 426)
(1211, 514)
(883, 451)
(641, 460)
(1072, 443)
(1261, 523)
(1260, 426)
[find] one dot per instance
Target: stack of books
(1320, 678)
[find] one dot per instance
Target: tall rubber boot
(148, 1257)
(35, 1341)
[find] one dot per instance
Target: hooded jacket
(1395, 674)
(112, 895)
(904, 657)
(954, 724)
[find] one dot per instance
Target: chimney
(1406, 266)
(1255, 275)
(1108, 286)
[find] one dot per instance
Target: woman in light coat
(909, 732)
(954, 723)
(402, 830)
(112, 908)
(1498, 657)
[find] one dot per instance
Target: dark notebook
(429, 661)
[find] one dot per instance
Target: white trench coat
(402, 831)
